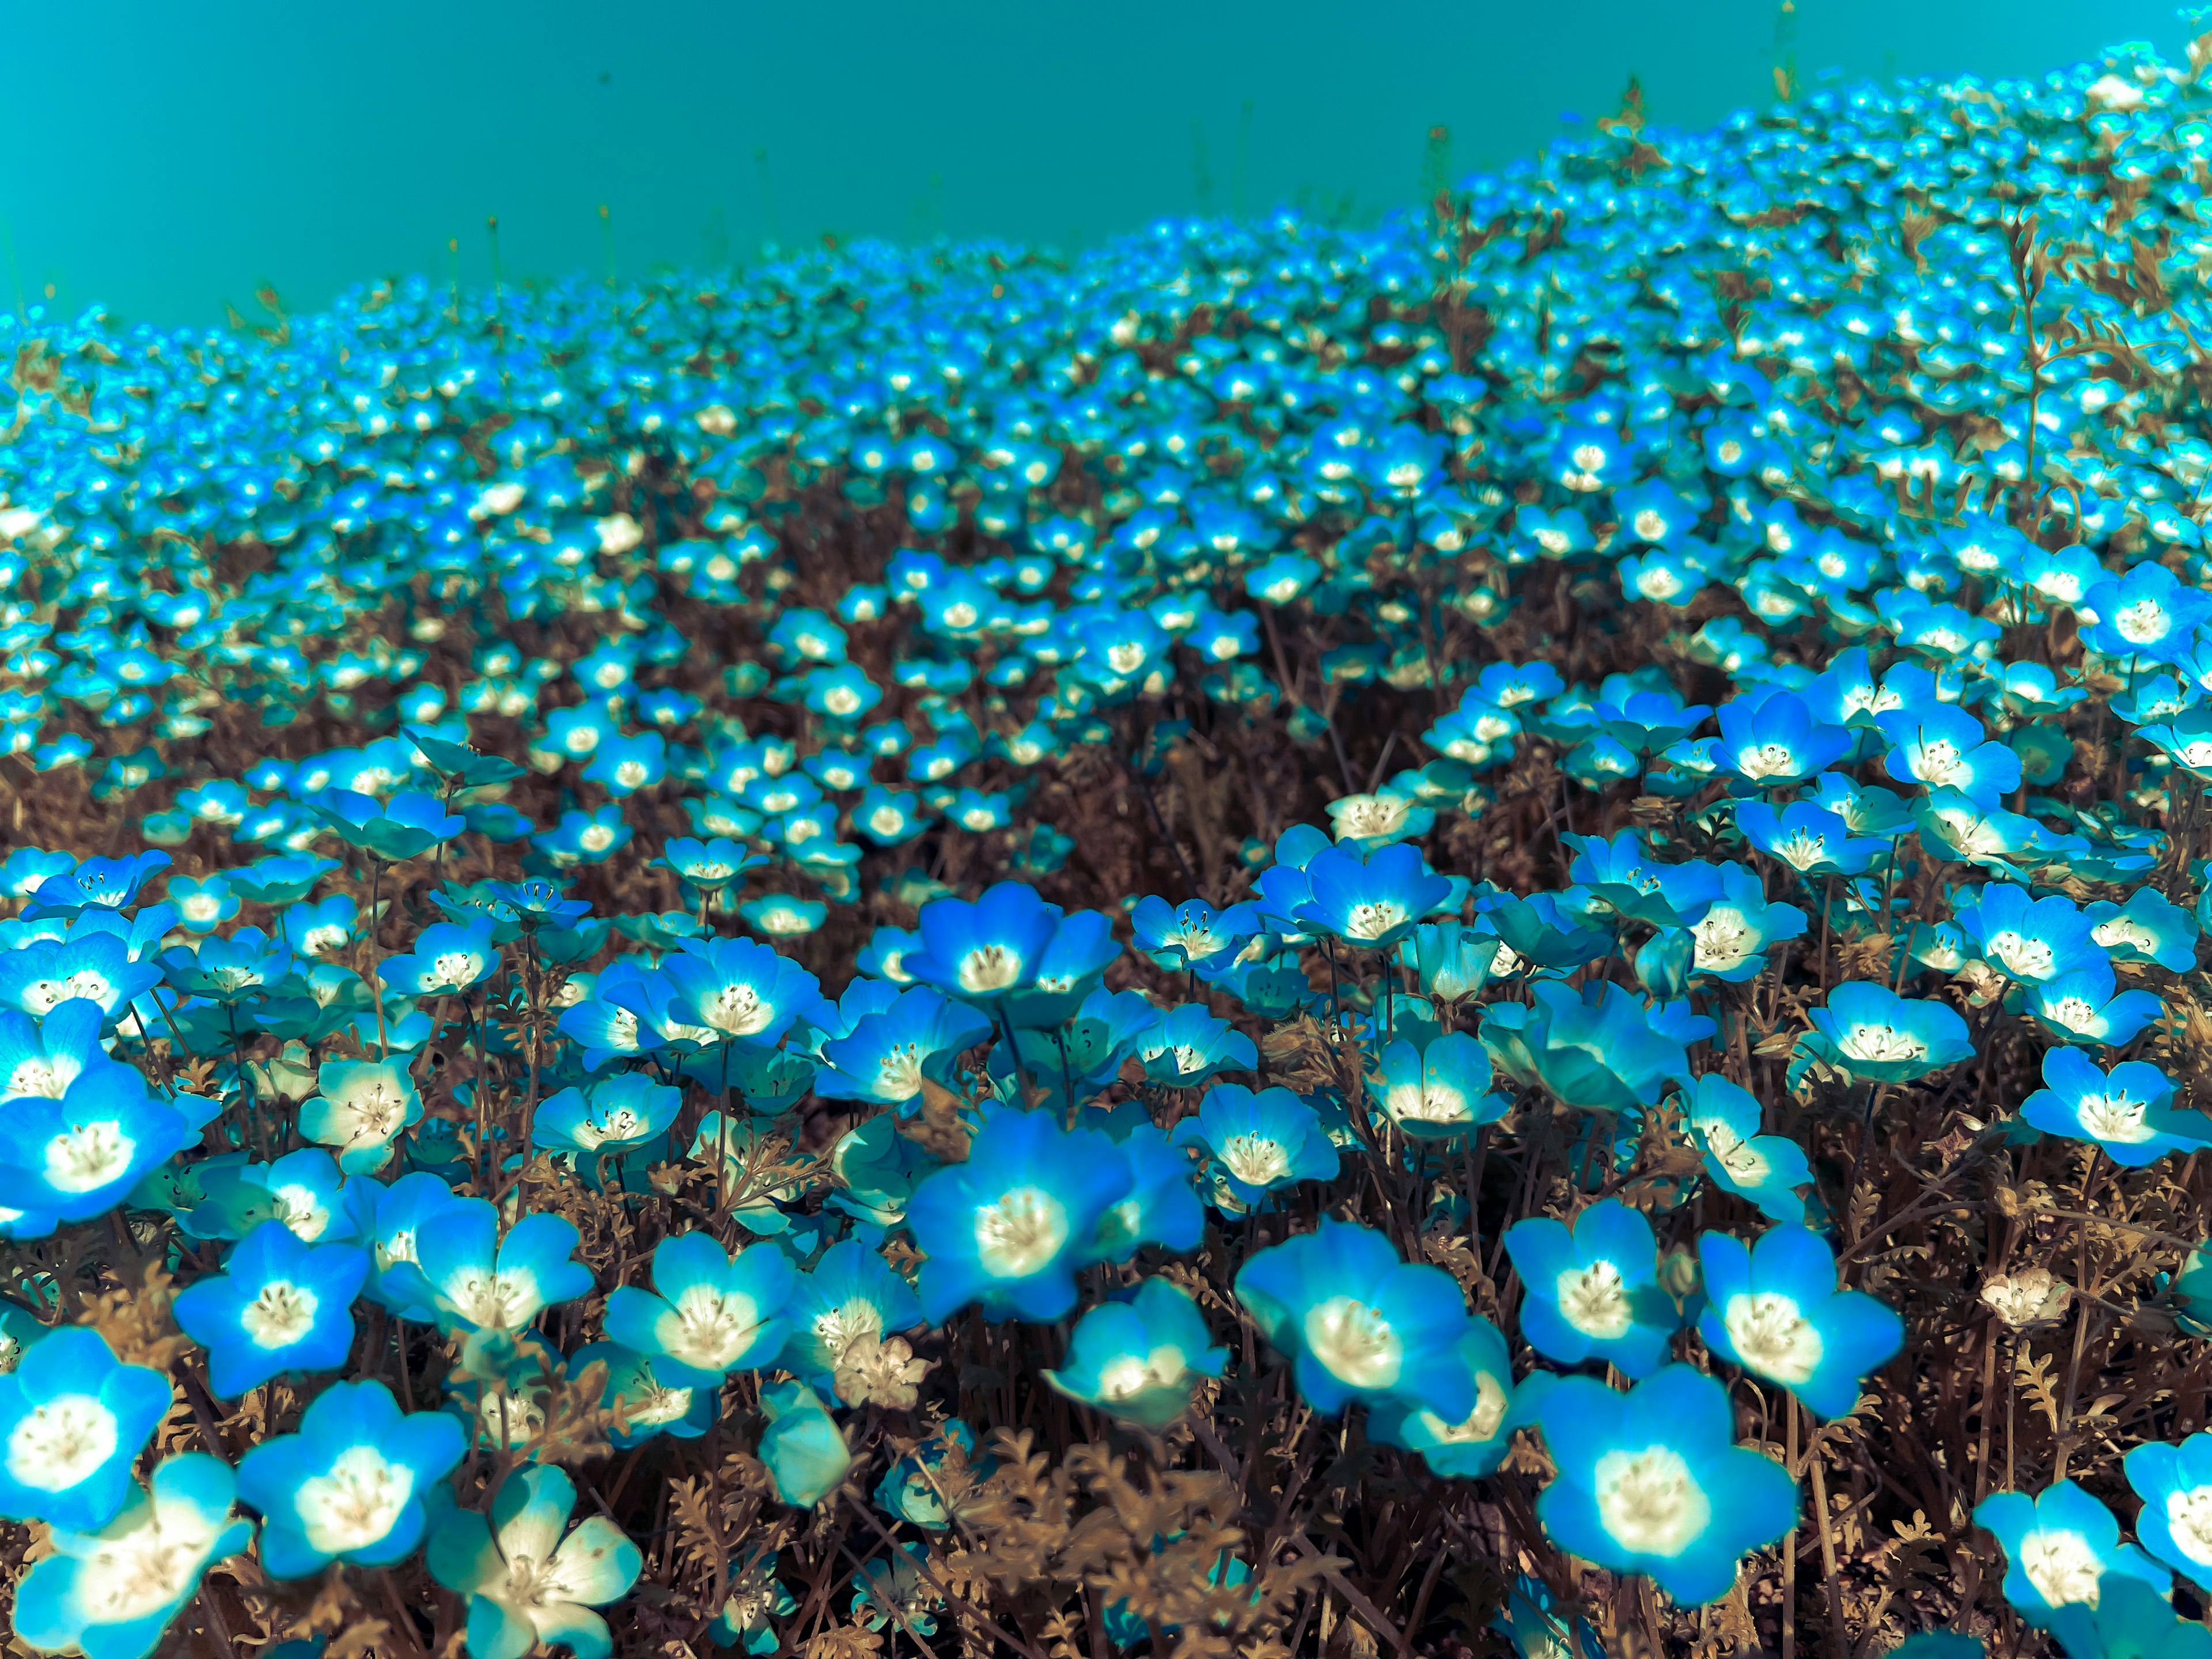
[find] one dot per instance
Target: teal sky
(162, 156)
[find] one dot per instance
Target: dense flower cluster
(740, 962)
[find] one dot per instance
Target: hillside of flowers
(1479, 937)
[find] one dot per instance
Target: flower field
(1476, 937)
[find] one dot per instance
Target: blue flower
(1771, 740)
(849, 1293)
(2129, 1111)
(1008, 1228)
(1593, 1292)
(1259, 1142)
(350, 1484)
(802, 1448)
(620, 1114)
(1730, 942)
(1140, 1360)
(2127, 1619)
(1652, 1482)
(1474, 1445)
(756, 1598)
(913, 1488)
(1440, 1091)
(1187, 1045)
(360, 1107)
(2058, 1545)
(916, 1033)
(74, 1419)
(1869, 1031)
(1370, 903)
(280, 1305)
(980, 952)
(411, 822)
(1765, 1170)
(1775, 1310)
(473, 1279)
(712, 1313)
(2086, 1007)
(110, 1592)
(1193, 934)
(2028, 938)
(38, 976)
(2175, 1522)
(1452, 961)
(1596, 1050)
(449, 957)
(2146, 928)
(1807, 837)
(528, 1577)
(1622, 877)
(648, 1406)
(1358, 1323)
(738, 990)
(1944, 747)
(1528, 1622)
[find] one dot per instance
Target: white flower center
(87, 1156)
(279, 1315)
(1020, 1232)
(1766, 760)
(2062, 1566)
(838, 1328)
(36, 1076)
(1594, 1300)
(501, 1299)
(61, 1442)
(151, 1566)
(2023, 958)
(1773, 1337)
(2115, 1117)
(739, 1010)
(1355, 1342)
(1373, 919)
(1256, 1160)
(2188, 1514)
(1723, 939)
(989, 967)
(1649, 1501)
(1881, 1043)
(356, 1502)
(711, 1327)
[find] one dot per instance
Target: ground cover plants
(1477, 936)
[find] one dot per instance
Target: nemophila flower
(737, 990)
(1073, 965)
(2175, 1522)
(474, 1279)
(359, 1109)
(1371, 903)
(1621, 877)
(709, 1313)
(2146, 615)
(2058, 1546)
(1774, 741)
(1358, 1323)
(78, 1140)
(648, 1406)
(349, 1484)
(2024, 938)
(203, 906)
(280, 1305)
(449, 958)
(1140, 1360)
(74, 1418)
(410, 824)
(982, 950)
(2146, 928)
(1451, 960)
(1944, 747)
(2086, 1007)
(1955, 823)
(802, 1448)
(2127, 1618)
(1765, 1170)
(529, 1579)
(1529, 1622)
(625, 764)
(1259, 1143)
(1187, 1045)
(1377, 820)
(99, 884)
(1008, 1228)
(1870, 1032)
(39, 976)
(1807, 837)
(849, 1293)
(2129, 1111)
(1774, 1308)
(1546, 931)
(1593, 1290)
(1438, 1091)
(1475, 1445)
(709, 865)
(305, 1190)
(1160, 1207)
(1730, 940)
(756, 1598)
(889, 1052)
(1651, 1482)
(1193, 934)
(615, 1115)
(1596, 1050)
